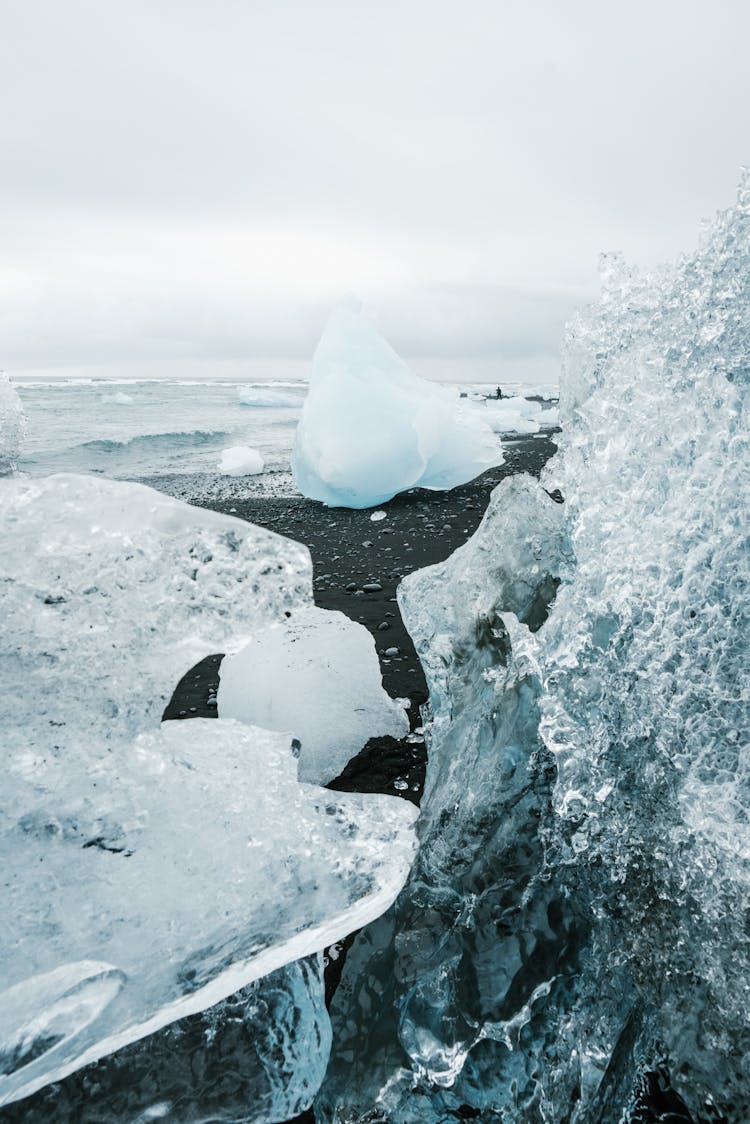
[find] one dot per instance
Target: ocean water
(127, 430)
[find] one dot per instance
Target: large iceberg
(371, 428)
(12, 425)
(149, 871)
(574, 932)
(315, 675)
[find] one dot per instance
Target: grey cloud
(461, 164)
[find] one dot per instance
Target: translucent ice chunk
(148, 875)
(258, 1056)
(371, 428)
(315, 675)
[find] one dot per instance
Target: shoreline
(349, 551)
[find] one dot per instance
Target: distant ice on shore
(371, 428)
(266, 396)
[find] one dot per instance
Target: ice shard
(149, 871)
(576, 920)
(371, 428)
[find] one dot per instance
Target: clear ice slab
(150, 871)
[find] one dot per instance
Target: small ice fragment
(377, 516)
(316, 675)
(241, 461)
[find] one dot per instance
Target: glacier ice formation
(118, 916)
(315, 675)
(371, 428)
(12, 425)
(577, 914)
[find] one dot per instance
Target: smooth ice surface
(371, 428)
(241, 461)
(150, 871)
(267, 396)
(12, 426)
(316, 676)
(577, 916)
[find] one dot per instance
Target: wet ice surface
(576, 917)
(258, 1056)
(149, 871)
(371, 428)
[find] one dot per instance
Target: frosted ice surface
(241, 460)
(315, 675)
(12, 425)
(371, 428)
(578, 910)
(267, 396)
(149, 871)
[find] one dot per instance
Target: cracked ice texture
(371, 428)
(578, 910)
(150, 871)
(12, 426)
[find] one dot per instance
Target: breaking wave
(179, 439)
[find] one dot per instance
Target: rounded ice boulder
(371, 428)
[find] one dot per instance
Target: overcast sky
(187, 187)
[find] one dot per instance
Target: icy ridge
(576, 918)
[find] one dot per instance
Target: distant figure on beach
(498, 393)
